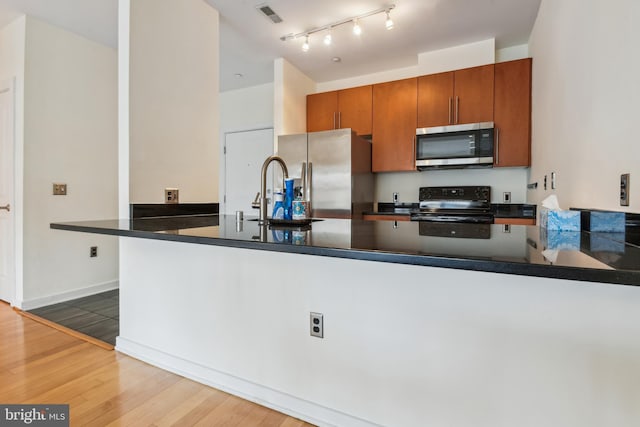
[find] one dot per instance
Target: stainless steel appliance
(458, 146)
(334, 167)
(464, 204)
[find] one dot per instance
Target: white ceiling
(94, 19)
(250, 42)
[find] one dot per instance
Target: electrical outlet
(545, 182)
(93, 251)
(316, 324)
(395, 197)
(171, 195)
(59, 189)
(624, 189)
(553, 180)
(506, 197)
(506, 228)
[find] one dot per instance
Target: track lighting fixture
(388, 23)
(354, 20)
(328, 38)
(357, 30)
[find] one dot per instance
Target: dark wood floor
(96, 315)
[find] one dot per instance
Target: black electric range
(449, 211)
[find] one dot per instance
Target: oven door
(458, 146)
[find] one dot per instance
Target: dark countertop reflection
(513, 249)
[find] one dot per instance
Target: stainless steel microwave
(458, 146)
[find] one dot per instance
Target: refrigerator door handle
(309, 182)
(303, 180)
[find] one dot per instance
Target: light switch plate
(624, 189)
(59, 189)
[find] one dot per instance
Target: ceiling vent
(269, 13)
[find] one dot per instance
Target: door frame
(223, 163)
(9, 86)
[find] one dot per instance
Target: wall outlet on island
(316, 325)
(171, 195)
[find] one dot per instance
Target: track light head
(388, 23)
(327, 38)
(357, 30)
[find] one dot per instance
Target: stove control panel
(471, 193)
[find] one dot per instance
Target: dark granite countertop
(520, 250)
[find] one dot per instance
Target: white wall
(248, 108)
(457, 57)
(70, 136)
(174, 63)
(404, 345)
(585, 101)
(290, 89)
(12, 55)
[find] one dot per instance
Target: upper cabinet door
(473, 101)
(355, 109)
(395, 106)
(322, 111)
(435, 100)
(513, 113)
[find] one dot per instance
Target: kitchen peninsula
(228, 303)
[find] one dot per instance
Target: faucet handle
(256, 202)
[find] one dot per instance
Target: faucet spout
(263, 184)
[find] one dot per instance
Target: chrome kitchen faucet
(262, 203)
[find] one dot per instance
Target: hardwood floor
(39, 364)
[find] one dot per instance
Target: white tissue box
(558, 219)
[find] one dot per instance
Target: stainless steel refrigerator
(337, 168)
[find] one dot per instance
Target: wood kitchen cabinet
(461, 96)
(321, 111)
(394, 125)
(347, 108)
(512, 113)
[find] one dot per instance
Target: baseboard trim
(69, 295)
(265, 396)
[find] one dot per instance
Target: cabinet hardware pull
(6, 207)
(497, 146)
(334, 120)
(339, 119)
(457, 108)
(450, 108)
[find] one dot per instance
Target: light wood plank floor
(39, 364)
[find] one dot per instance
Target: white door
(243, 157)
(7, 255)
